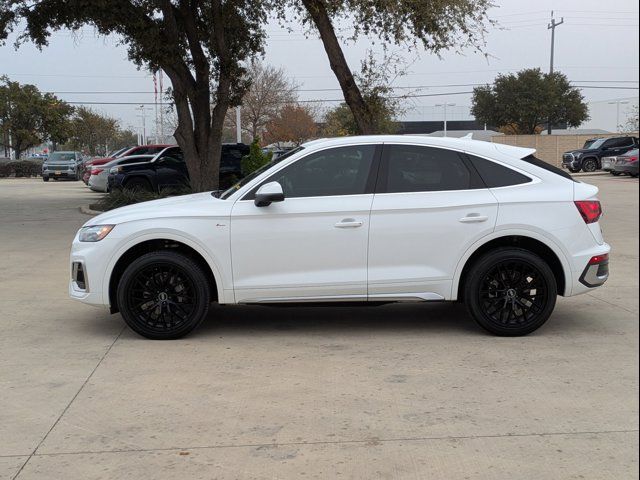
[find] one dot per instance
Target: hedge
(20, 168)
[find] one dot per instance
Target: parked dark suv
(168, 170)
(589, 157)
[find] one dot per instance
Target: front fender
(219, 264)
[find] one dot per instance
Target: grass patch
(122, 198)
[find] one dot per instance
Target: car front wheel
(510, 292)
(163, 295)
(590, 165)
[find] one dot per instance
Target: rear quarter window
(495, 175)
(548, 167)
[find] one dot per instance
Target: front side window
(331, 172)
(409, 168)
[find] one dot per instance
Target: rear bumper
(630, 169)
(596, 272)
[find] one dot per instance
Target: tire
(45, 179)
(590, 165)
(139, 184)
(495, 292)
(151, 295)
(615, 174)
(574, 170)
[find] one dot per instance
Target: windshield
(237, 186)
(597, 143)
(62, 157)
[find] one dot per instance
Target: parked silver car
(608, 163)
(100, 173)
(62, 165)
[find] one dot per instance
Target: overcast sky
(598, 42)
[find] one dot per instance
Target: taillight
(591, 210)
(598, 259)
(632, 159)
(96, 171)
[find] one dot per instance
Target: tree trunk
(352, 94)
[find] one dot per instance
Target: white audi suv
(371, 219)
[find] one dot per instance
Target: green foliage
(29, 117)
(91, 132)
(436, 26)
(374, 80)
(20, 168)
(520, 103)
(256, 158)
(127, 196)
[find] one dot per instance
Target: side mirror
(269, 193)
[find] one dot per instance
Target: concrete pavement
(399, 391)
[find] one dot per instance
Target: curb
(88, 211)
(589, 174)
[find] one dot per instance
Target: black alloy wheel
(511, 292)
(590, 165)
(163, 295)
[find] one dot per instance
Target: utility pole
(445, 105)
(552, 26)
(143, 116)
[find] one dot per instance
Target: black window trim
(383, 170)
(369, 187)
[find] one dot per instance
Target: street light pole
(552, 26)
(445, 105)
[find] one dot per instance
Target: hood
(195, 205)
(582, 150)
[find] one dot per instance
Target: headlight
(94, 233)
(114, 169)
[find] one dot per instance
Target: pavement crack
(365, 441)
(64, 411)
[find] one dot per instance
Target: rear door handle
(348, 223)
(474, 218)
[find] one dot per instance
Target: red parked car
(123, 152)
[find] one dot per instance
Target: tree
(269, 92)
(29, 117)
(91, 132)
(200, 44)
(435, 25)
(373, 80)
(294, 123)
(523, 101)
(631, 125)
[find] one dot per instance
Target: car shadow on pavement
(440, 317)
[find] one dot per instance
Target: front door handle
(348, 223)
(474, 218)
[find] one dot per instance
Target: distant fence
(549, 147)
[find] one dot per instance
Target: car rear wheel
(510, 292)
(45, 179)
(574, 170)
(590, 165)
(163, 295)
(614, 173)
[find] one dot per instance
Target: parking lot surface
(393, 392)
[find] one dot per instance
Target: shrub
(23, 168)
(255, 159)
(5, 170)
(121, 198)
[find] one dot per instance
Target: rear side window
(548, 167)
(410, 168)
(495, 175)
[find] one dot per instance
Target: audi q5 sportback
(361, 219)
